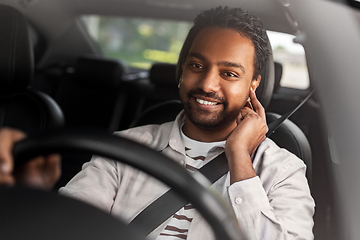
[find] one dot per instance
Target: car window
(141, 42)
(292, 58)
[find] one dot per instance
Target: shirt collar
(175, 141)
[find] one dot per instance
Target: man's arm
(282, 211)
(243, 141)
(277, 204)
(41, 172)
(96, 183)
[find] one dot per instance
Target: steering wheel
(194, 188)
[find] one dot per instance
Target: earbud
(180, 81)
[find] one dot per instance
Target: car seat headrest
(16, 53)
(265, 89)
(163, 74)
(278, 75)
(100, 72)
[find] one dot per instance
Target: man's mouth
(204, 102)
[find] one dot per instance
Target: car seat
(160, 86)
(93, 98)
(20, 107)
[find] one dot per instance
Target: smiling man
(220, 66)
(216, 83)
(218, 78)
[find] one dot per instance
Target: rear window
(141, 42)
(292, 58)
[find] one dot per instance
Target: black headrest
(278, 75)
(265, 89)
(163, 74)
(16, 53)
(99, 71)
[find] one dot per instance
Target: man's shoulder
(151, 135)
(270, 152)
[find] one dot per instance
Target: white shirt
(196, 155)
(276, 204)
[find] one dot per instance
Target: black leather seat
(93, 99)
(160, 86)
(159, 113)
(20, 107)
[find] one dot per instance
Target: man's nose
(210, 81)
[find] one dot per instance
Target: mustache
(200, 92)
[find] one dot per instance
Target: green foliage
(139, 42)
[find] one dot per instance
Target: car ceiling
(59, 13)
(55, 19)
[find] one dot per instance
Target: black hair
(238, 19)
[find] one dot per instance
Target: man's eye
(197, 65)
(230, 74)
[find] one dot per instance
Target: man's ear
(255, 82)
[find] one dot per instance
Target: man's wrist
(240, 166)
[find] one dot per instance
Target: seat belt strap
(170, 202)
(275, 124)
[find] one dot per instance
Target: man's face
(217, 76)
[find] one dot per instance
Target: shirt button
(238, 200)
(182, 162)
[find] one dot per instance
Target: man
(220, 70)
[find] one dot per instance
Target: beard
(210, 120)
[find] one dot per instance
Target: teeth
(205, 102)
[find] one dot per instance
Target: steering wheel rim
(212, 207)
(35, 215)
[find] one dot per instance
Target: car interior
(54, 77)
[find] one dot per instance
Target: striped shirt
(196, 154)
(275, 205)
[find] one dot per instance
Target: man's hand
(243, 141)
(41, 172)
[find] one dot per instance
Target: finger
(29, 174)
(249, 105)
(7, 180)
(41, 172)
(244, 112)
(52, 168)
(8, 137)
(258, 108)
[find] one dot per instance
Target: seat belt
(170, 202)
(275, 124)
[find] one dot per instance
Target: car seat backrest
(92, 97)
(31, 111)
(159, 87)
(17, 64)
